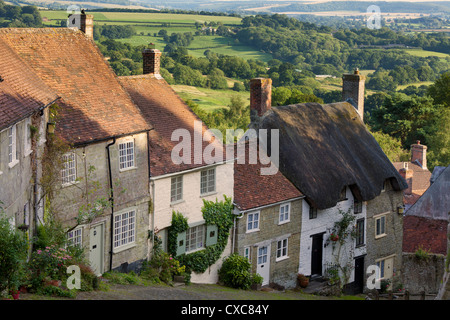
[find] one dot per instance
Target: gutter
(111, 200)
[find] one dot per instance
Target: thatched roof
(324, 148)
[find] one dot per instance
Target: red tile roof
(421, 177)
(22, 93)
(166, 112)
(252, 190)
(94, 105)
(426, 233)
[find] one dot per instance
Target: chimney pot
(419, 153)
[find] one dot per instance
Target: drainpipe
(111, 200)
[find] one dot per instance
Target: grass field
(425, 53)
(209, 99)
(149, 24)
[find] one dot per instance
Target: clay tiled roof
(166, 112)
(426, 233)
(22, 93)
(421, 177)
(94, 106)
(252, 190)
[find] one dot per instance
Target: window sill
(28, 152)
(252, 230)
(124, 247)
(281, 259)
(283, 222)
(208, 194)
(13, 163)
(68, 184)
(196, 250)
(128, 169)
(173, 203)
(380, 236)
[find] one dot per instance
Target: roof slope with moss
(94, 106)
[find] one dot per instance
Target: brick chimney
(260, 98)
(419, 153)
(83, 22)
(353, 88)
(407, 174)
(151, 60)
(87, 25)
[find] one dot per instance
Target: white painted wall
(191, 204)
(324, 223)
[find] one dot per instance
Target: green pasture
(209, 99)
(425, 53)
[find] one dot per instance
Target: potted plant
(15, 293)
(334, 237)
(257, 281)
(303, 280)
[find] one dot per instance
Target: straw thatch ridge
(324, 148)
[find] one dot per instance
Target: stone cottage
(25, 100)
(187, 165)
(268, 221)
(327, 153)
(105, 169)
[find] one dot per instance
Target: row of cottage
(122, 135)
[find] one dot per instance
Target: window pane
(126, 155)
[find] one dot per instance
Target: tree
(407, 118)
(439, 142)
(440, 90)
(216, 79)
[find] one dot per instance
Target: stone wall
(130, 191)
(389, 245)
(284, 271)
(422, 274)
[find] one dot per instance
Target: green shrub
(13, 254)
(235, 272)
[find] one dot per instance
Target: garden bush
(235, 272)
(13, 254)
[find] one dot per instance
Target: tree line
(12, 16)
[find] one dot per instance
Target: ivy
(218, 213)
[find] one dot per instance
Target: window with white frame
(126, 155)
(284, 213)
(282, 249)
(27, 136)
(253, 221)
(380, 226)
(69, 168)
(176, 189)
(12, 145)
(195, 238)
(124, 228)
(247, 253)
(75, 237)
(208, 181)
(385, 268)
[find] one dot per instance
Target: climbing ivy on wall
(219, 213)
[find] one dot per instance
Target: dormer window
(343, 194)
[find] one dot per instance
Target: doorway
(96, 248)
(263, 263)
(316, 255)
